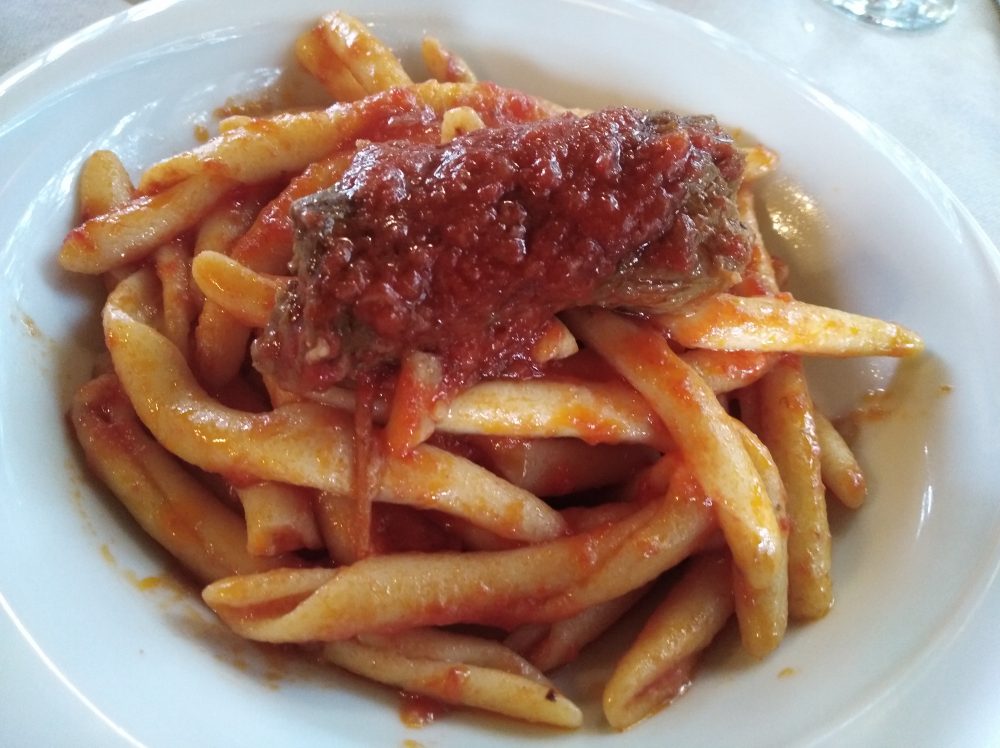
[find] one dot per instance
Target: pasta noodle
(672, 454)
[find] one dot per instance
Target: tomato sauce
(466, 250)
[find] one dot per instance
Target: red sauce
(418, 711)
(466, 250)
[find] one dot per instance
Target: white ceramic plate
(908, 652)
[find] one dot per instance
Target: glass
(899, 14)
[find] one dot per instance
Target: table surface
(937, 92)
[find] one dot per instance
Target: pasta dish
(443, 380)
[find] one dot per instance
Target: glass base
(908, 15)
